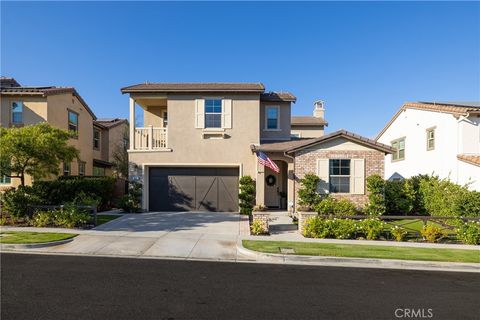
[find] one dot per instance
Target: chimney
(319, 110)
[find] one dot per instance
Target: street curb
(358, 262)
(35, 245)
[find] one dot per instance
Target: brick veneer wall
(306, 162)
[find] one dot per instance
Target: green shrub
(469, 232)
(132, 201)
(70, 217)
(376, 195)
(399, 196)
(317, 227)
(257, 228)
(332, 206)
(66, 189)
(308, 196)
(372, 228)
(467, 204)
(326, 206)
(43, 219)
(432, 233)
(18, 202)
(398, 233)
(246, 194)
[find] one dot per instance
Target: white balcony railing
(150, 138)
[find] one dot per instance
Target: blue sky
(363, 59)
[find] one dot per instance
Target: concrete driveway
(187, 235)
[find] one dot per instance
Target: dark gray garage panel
(193, 189)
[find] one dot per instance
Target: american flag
(267, 162)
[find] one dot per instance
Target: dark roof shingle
(307, 121)
(278, 97)
(195, 87)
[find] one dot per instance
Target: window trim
(427, 131)
(11, 112)
(266, 118)
(339, 176)
(68, 121)
(99, 138)
(80, 173)
(69, 171)
(397, 150)
(205, 112)
(4, 178)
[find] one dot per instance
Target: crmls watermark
(413, 313)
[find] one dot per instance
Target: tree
(307, 194)
(120, 157)
(246, 194)
(376, 195)
(35, 150)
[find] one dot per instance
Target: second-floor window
(4, 179)
(17, 112)
(73, 122)
(399, 146)
(96, 139)
(272, 117)
(213, 113)
(165, 119)
(430, 139)
(339, 175)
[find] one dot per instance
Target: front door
(272, 188)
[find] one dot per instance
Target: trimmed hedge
(66, 189)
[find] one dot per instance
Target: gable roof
(456, 109)
(292, 146)
(8, 82)
(166, 87)
(470, 158)
(41, 91)
(110, 122)
(308, 121)
(278, 97)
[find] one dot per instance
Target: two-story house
(199, 138)
(309, 126)
(62, 107)
(442, 138)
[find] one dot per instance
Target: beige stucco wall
(308, 131)
(285, 114)
(153, 116)
(34, 109)
(188, 147)
(115, 139)
(58, 106)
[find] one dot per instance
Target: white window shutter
(323, 173)
(200, 113)
(227, 113)
(357, 176)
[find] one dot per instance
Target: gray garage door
(193, 189)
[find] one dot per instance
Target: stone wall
(262, 217)
(306, 162)
(302, 219)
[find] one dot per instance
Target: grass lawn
(21, 237)
(104, 218)
(365, 251)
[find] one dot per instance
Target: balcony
(150, 138)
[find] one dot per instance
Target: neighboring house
(310, 127)
(194, 160)
(442, 138)
(63, 108)
(109, 136)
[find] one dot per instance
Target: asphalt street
(80, 287)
